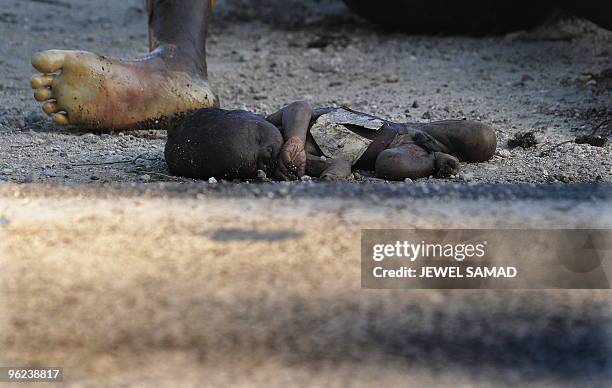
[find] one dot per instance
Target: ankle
(179, 59)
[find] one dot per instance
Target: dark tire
(476, 17)
(597, 11)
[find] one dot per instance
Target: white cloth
(338, 142)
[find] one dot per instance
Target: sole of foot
(87, 90)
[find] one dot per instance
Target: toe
(60, 118)
(50, 107)
(41, 81)
(49, 61)
(43, 94)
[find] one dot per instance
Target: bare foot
(83, 89)
(446, 165)
(292, 160)
(338, 170)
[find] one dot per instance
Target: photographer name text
(445, 272)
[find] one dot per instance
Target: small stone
(145, 177)
(261, 175)
(7, 171)
(392, 79)
(323, 158)
(212, 180)
(526, 139)
(408, 180)
(90, 138)
(306, 178)
(323, 67)
(94, 178)
(503, 153)
(468, 176)
(245, 55)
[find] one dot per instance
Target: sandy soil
(126, 281)
(551, 80)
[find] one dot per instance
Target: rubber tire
(597, 11)
(474, 17)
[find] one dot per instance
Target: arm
(328, 169)
(429, 143)
(294, 120)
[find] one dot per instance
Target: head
(223, 144)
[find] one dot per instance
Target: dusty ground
(150, 283)
(551, 80)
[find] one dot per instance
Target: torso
(341, 133)
(344, 134)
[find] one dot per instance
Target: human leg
(88, 90)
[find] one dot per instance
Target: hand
(292, 160)
(429, 143)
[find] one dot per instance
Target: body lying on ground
(329, 143)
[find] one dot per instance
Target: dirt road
(263, 57)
